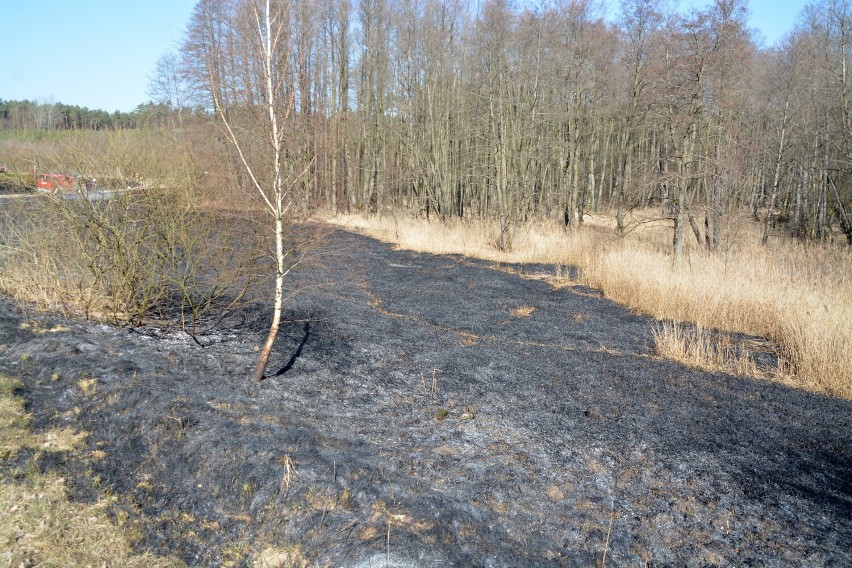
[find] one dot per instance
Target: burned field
(434, 411)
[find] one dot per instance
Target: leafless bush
(141, 255)
(127, 256)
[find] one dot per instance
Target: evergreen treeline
(33, 115)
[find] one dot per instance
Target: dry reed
(798, 296)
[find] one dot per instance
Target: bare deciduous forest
(517, 113)
(513, 113)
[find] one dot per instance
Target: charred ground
(434, 411)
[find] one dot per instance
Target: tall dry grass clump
(705, 348)
(798, 296)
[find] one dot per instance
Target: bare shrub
(121, 255)
(139, 255)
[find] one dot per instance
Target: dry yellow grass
(522, 311)
(39, 526)
(798, 296)
(700, 347)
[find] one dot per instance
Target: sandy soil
(435, 411)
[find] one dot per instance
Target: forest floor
(427, 410)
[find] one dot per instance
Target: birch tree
(250, 82)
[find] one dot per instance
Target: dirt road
(434, 411)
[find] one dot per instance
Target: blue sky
(92, 53)
(772, 18)
(101, 53)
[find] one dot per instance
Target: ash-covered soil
(434, 411)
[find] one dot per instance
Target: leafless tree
(249, 71)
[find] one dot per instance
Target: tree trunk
(776, 178)
(677, 244)
(696, 230)
(263, 358)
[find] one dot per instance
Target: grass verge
(16, 183)
(797, 296)
(39, 526)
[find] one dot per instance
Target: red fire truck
(54, 183)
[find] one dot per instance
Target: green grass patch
(14, 182)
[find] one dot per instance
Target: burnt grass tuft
(409, 415)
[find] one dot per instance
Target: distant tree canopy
(502, 111)
(38, 115)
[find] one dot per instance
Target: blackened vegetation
(563, 437)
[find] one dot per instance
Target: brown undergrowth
(797, 296)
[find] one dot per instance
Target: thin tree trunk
(263, 358)
(677, 244)
(845, 221)
(776, 178)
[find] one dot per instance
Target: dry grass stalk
(289, 472)
(702, 348)
(798, 296)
